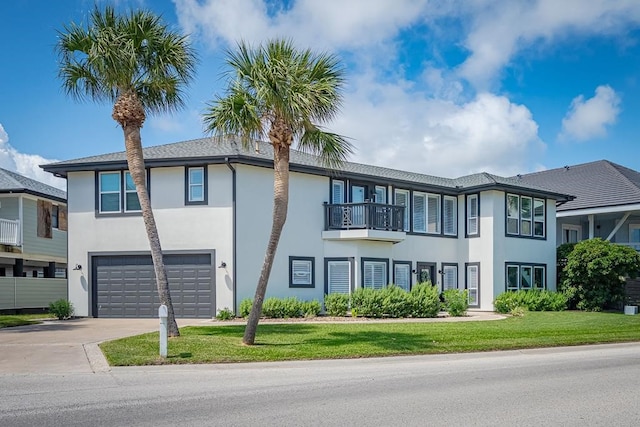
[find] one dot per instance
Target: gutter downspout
(233, 226)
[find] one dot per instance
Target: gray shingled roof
(14, 182)
(595, 185)
(207, 149)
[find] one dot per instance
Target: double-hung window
(55, 221)
(131, 201)
(109, 188)
(450, 215)
(525, 216)
(401, 198)
(196, 185)
(525, 277)
(473, 212)
(381, 194)
(374, 273)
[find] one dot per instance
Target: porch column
(51, 271)
(18, 267)
(591, 226)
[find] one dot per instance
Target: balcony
(364, 221)
(10, 232)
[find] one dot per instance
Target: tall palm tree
(278, 92)
(136, 63)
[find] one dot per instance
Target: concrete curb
(96, 359)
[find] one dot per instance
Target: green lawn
(300, 341)
(7, 321)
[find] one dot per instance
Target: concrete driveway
(69, 346)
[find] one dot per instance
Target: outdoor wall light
(223, 265)
(77, 267)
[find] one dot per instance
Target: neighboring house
(606, 204)
(360, 226)
(33, 242)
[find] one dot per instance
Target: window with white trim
(426, 212)
(472, 215)
(473, 283)
(402, 274)
(401, 198)
(337, 192)
(433, 213)
(301, 272)
(338, 276)
(525, 216)
(196, 185)
(449, 276)
(521, 276)
(374, 274)
(450, 226)
(572, 233)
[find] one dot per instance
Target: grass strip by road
(306, 341)
(10, 320)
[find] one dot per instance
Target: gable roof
(12, 182)
(596, 184)
(230, 149)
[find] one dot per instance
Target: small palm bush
(61, 309)
(456, 302)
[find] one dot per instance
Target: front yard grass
(305, 341)
(9, 320)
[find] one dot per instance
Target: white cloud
(499, 29)
(587, 119)
(329, 24)
(396, 128)
(26, 164)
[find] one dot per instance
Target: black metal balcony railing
(366, 215)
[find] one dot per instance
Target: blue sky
(446, 88)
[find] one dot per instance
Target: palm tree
(278, 92)
(136, 63)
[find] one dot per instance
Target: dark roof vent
(566, 167)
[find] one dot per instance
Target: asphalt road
(594, 386)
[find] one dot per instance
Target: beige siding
(56, 246)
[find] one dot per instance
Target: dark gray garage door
(124, 286)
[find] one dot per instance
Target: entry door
(357, 196)
(426, 271)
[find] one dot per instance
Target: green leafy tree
(595, 273)
(137, 64)
(279, 92)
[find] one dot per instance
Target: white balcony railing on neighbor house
(10, 232)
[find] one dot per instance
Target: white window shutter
(339, 274)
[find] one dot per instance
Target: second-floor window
(55, 222)
(196, 186)
(117, 193)
(472, 215)
(426, 213)
(525, 216)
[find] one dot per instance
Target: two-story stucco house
(360, 226)
(33, 242)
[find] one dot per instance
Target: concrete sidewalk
(71, 346)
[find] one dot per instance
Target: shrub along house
(360, 226)
(33, 242)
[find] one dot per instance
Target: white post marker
(163, 314)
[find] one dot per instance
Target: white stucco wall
(181, 228)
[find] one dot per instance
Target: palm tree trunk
(280, 205)
(135, 161)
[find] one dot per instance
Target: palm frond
(333, 149)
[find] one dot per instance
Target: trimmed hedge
(283, 308)
(532, 300)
